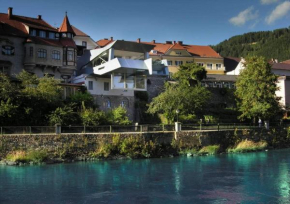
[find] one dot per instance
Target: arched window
(7, 50)
(125, 103)
(41, 53)
(107, 103)
(55, 55)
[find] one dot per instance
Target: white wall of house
(98, 86)
(90, 43)
(283, 85)
(238, 69)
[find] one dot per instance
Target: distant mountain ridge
(270, 44)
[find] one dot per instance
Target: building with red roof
(36, 46)
(178, 53)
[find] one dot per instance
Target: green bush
(91, 117)
(63, 115)
(248, 146)
(30, 156)
(118, 116)
(211, 149)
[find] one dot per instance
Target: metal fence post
(30, 130)
(163, 127)
(141, 128)
(110, 128)
(84, 129)
(200, 126)
(218, 127)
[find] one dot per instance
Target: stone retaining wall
(83, 144)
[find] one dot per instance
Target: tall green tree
(256, 87)
(185, 95)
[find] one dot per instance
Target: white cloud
(268, 1)
(244, 16)
(280, 11)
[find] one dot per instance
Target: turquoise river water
(262, 177)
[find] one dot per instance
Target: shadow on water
(235, 178)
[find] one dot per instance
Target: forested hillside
(270, 44)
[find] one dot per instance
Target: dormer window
(51, 35)
(178, 52)
(57, 35)
(33, 32)
(42, 34)
(69, 35)
(64, 35)
(154, 51)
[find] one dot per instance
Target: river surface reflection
(262, 177)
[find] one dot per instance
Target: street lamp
(177, 111)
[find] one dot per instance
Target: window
(31, 51)
(209, 66)
(41, 53)
(64, 35)
(70, 56)
(51, 35)
(188, 62)
(55, 55)
(218, 66)
(4, 70)
(90, 85)
(69, 35)
(106, 86)
(7, 50)
(154, 51)
(42, 34)
(169, 63)
(177, 63)
(200, 64)
(33, 32)
(178, 52)
(125, 103)
(84, 44)
(107, 103)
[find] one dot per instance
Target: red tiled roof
(104, 42)
(282, 66)
(195, 50)
(65, 26)
(19, 22)
(79, 32)
(286, 62)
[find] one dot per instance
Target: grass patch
(188, 151)
(29, 156)
(211, 149)
(132, 147)
(248, 146)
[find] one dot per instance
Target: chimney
(112, 38)
(39, 17)
(180, 42)
(153, 41)
(173, 42)
(168, 42)
(138, 40)
(10, 12)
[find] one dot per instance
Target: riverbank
(34, 149)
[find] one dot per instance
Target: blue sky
(198, 22)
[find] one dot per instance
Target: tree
(256, 87)
(118, 116)
(185, 95)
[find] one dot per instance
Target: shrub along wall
(76, 145)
